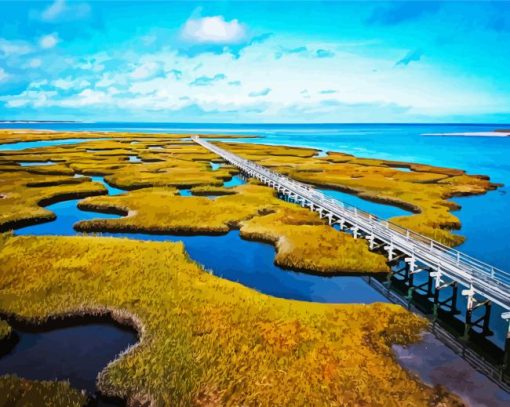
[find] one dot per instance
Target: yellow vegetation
(15, 391)
(208, 341)
(302, 240)
(21, 203)
(5, 330)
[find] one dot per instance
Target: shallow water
(134, 159)
(34, 163)
(43, 143)
(75, 353)
(234, 182)
(448, 369)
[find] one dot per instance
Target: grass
(301, 238)
(425, 190)
(15, 391)
(21, 204)
(212, 190)
(5, 330)
(15, 136)
(208, 341)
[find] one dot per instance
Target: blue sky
(243, 61)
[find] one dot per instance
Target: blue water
(75, 353)
(185, 192)
(111, 190)
(35, 144)
(381, 210)
(234, 182)
(134, 159)
(67, 215)
(35, 163)
(251, 264)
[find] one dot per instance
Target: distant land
(495, 133)
(38, 121)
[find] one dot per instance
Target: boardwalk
(421, 253)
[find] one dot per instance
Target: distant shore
(495, 133)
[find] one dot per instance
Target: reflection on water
(436, 364)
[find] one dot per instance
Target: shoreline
(496, 133)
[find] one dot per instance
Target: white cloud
(145, 70)
(54, 10)
(10, 48)
(60, 10)
(213, 30)
(49, 41)
(34, 63)
(3, 75)
(69, 83)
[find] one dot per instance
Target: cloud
(290, 51)
(69, 83)
(327, 91)
(176, 73)
(9, 48)
(213, 30)
(324, 53)
(411, 56)
(402, 12)
(263, 92)
(305, 52)
(59, 10)
(49, 41)
(207, 80)
(3, 75)
(144, 71)
(235, 83)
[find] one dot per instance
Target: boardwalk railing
(479, 277)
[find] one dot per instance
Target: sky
(255, 62)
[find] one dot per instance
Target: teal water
(35, 144)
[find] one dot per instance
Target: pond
(77, 352)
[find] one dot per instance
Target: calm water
(381, 210)
(35, 163)
(75, 353)
(448, 370)
(35, 144)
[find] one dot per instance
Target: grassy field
(208, 341)
(15, 391)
